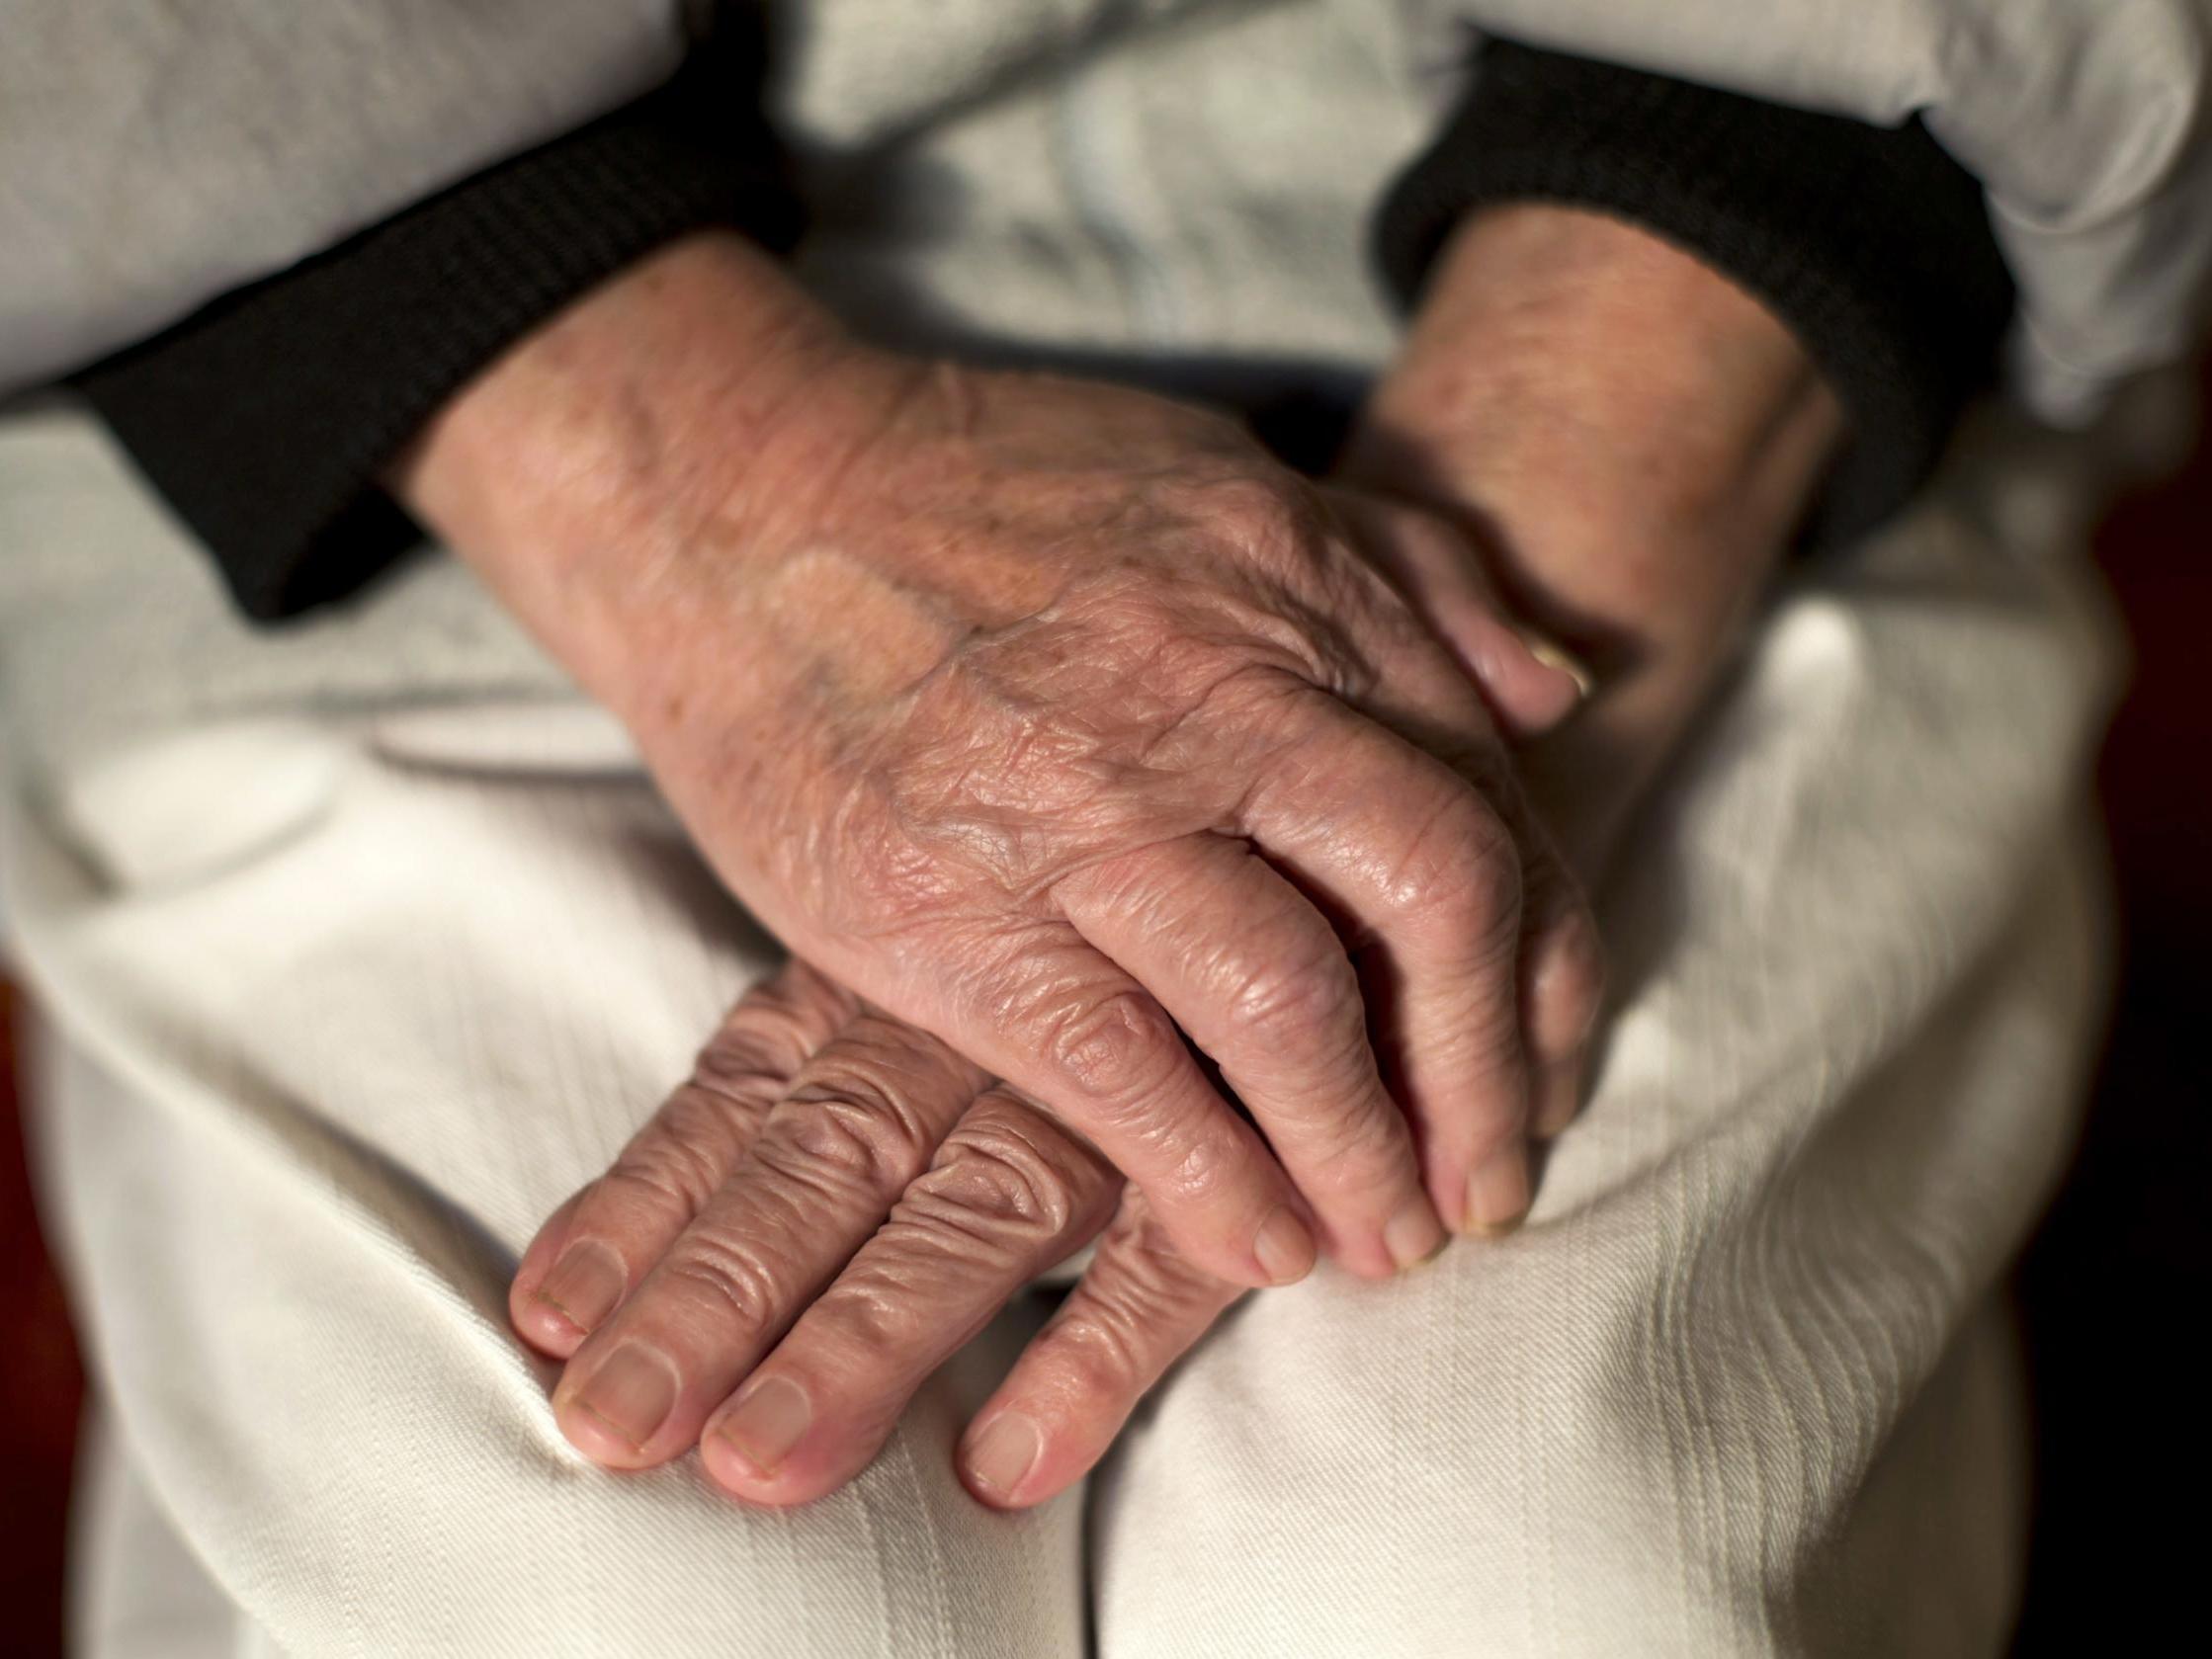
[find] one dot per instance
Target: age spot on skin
(907, 631)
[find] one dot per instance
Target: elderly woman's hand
(1061, 722)
(1637, 508)
(835, 1202)
(766, 1179)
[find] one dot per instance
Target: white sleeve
(153, 156)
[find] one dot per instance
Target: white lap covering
(345, 993)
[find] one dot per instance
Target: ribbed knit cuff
(1871, 243)
(265, 417)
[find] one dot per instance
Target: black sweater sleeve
(265, 417)
(1870, 242)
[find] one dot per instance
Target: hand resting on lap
(1060, 721)
(835, 1202)
(766, 1179)
(1083, 723)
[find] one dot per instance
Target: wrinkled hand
(1060, 721)
(736, 1242)
(1635, 511)
(749, 1218)
(1091, 723)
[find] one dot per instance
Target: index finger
(1260, 981)
(1427, 876)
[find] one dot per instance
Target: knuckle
(1290, 1000)
(1147, 1254)
(667, 1173)
(1104, 1351)
(790, 1015)
(705, 1126)
(1258, 687)
(1138, 1302)
(1265, 515)
(929, 1263)
(1013, 1182)
(737, 1287)
(870, 1310)
(896, 1056)
(1115, 1048)
(743, 1067)
(1209, 1172)
(827, 1150)
(1462, 870)
(853, 1134)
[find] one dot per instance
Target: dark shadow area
(40, 1389)
(2120, 1276)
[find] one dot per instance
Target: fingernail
(767, 1422)
(1284, 1248)
(1003, 1454)
(633, 1393)
(1497, 1193)
(1550, 656)
(585, 1284)
(1415, 1235)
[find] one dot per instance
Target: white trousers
(342, 1005)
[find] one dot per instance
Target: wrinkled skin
(1082, 720)
(761, 1191)
(737, 1236)
(1088, 726)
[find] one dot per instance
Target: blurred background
(2110, 1292)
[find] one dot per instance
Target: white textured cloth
(233, 138)
(345, 997)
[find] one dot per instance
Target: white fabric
(235, 136)
(391, 980)
(153, 157)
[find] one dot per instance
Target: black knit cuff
(1870, 242)
(265, 417)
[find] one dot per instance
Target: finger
(1011, 1193)
(601, 1242)
(1562, 977)
(1561, 964)
(1067, 1027)
(1137, 1309)
(1259, 980)
(861, 1119)
(1412, 857)
(1529, 682)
